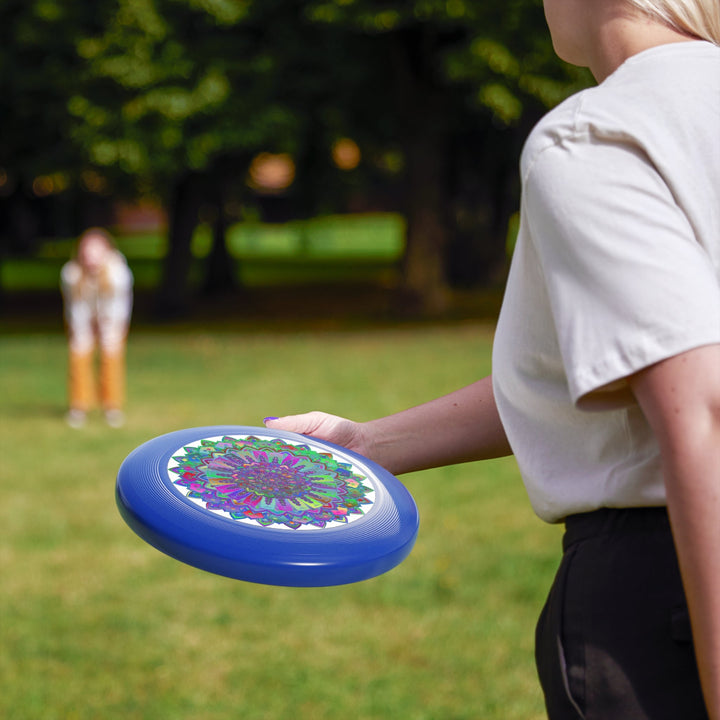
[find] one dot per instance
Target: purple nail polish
(270, 417)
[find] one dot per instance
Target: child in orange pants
(97, 294)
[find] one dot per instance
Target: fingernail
(270, 417)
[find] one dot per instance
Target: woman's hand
(323, 426)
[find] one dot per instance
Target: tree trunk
(424, 276)
(485, 194)
(220, 267)
(175, 295)
(424, 143)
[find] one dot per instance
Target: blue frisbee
(267, 506)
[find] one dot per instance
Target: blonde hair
(699, 18)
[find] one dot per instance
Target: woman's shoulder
(596, 114)
(649, 102)
(554, 128)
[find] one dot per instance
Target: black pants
(613, 641)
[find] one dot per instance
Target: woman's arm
(455, 428)
(681, 400)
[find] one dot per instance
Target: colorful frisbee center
(271, 482)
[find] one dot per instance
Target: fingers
(321, 425)
(305, 424)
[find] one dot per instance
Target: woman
(97, 293)
(606, 365)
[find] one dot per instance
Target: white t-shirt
(97, 308)
(617, 266)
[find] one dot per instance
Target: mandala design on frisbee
(271, 482)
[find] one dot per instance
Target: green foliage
(174, 98)
(499, 53)
(172, 84)
(38, 69)
(96, 624)
(153, 87)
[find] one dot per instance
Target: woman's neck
(620, 37)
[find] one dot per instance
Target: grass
(96, 624)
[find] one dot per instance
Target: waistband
(607, 521)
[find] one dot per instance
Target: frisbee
(266, 506)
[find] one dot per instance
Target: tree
(165, 84)
(175, 98)
(460, 72)
(38, 69)
(182, 95)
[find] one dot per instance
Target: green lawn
(96, 624)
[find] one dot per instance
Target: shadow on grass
(272, 309)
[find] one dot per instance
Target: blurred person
(606, 366)
(97, 294)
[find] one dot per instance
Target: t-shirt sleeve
(629, 282)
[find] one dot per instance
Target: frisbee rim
(158, 512)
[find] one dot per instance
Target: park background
(318, 201)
